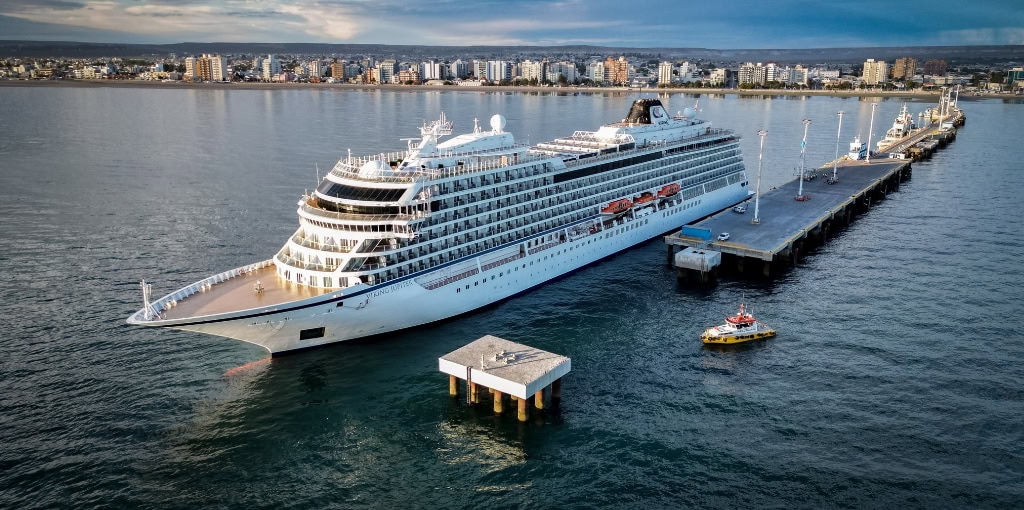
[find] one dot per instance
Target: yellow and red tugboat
(737, 329)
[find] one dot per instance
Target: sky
(713, 24)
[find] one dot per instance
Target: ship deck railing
(350, 168)
(501, 261)
(365, 218)
(306, 265)
(445, 280)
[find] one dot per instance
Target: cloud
(224, 21)
(976, 36)
(639, 23)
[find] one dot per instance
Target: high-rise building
(315, 69)
(218, 68)
(797, 75)
(562, 69)
(874, 72)
(617, 71)
(206, 68)
(388, 71)
(498, 70)
(271, 67)
(411, 76)
(904, 69)
(432, 70)
(530, 70)
(338, 71)
(459, 69)
(754, 74)
(1015, 77)
(353, 71)
(479, 69)
(665, 73)
(718, 77)
(935, 67)
(596, 72)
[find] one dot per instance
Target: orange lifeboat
(617, 206)
(668, 190)
(645, 198)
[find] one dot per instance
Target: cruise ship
(454, 223)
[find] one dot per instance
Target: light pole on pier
(800, 197)
(835, 162)
(757, 195)
(871, 126)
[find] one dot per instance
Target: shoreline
(179, 85)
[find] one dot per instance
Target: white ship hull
(397, 305)
(397, 240)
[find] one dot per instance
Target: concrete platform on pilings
(787, 227)
(506, 368)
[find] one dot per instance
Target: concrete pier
(505, 367)
(789, 227)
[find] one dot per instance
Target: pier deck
(784, 220)
(785, 224)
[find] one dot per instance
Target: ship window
(307, 334)
(333, 189)
(340, 304)
(458, 289)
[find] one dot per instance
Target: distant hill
(952, 54)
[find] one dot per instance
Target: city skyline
(741, 24)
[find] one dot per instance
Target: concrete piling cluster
(506, 368)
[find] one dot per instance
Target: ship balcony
(400, 221)
(304, 265)
(307, 243)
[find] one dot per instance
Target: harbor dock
(505, 368)
(787, 227)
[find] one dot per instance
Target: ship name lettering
(390, 288)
